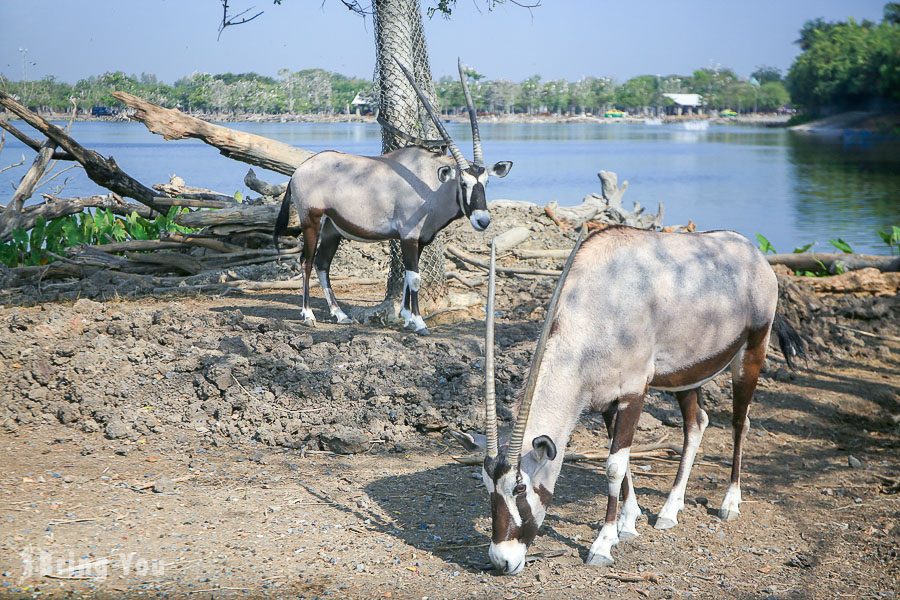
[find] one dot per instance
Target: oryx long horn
(516, 438)
(451, 145)
(490, 396)
(478, 153)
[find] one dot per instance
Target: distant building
(363, 103)
(684, 104)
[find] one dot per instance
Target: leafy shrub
(48, 239)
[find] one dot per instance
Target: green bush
(47, 240)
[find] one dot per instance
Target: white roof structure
(685, 99)
(361, 100)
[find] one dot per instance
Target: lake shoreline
(757, 120)
(883, 124)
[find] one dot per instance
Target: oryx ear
(445, 174)
(472, 443)
(544, 448)
(502, 168)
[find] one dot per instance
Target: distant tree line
(307, 91)
(320, 91)
(846, 64)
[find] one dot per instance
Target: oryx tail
(284, 216)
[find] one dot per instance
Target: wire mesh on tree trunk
(399, 36)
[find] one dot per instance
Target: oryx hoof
(423, 331)
(599, 560)
(729, 515)
(307, 317)
(343, 320)
(627, 536)
(662, 523)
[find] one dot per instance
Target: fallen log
(174, 260)
(262, 187)
(257, 150)
(255, 216)
(472, 260)
(129, 246)
(202, 242)
(194, 202)
(814, 261)
(606, 207)
(177, 187)
(101, 170)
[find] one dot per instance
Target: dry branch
(256, 150)
(813, 261)
(11, 217)
(202, 242)
(262, 187)
(29, 141)
(472, 260)
(177, 187)
(101, 170)
(175, 260)
(555, 253)
(193, 202)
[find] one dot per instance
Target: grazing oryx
(639, 309)
(408, 195)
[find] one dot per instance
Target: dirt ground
(213, 447)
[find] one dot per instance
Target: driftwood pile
(231, 233)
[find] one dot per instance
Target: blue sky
(561, 39)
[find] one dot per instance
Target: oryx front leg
(695, 422)
(412, 281)
(627, 413)
(627, 523)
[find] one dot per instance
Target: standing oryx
(409, 194)
(639, 309)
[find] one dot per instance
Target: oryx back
(672, 309)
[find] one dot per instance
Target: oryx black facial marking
(506, 526)
(664, 309)
(408, 195)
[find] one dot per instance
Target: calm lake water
(792, 188)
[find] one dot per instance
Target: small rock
(122, 451)
(345, 441)
(854, 462)
(116, 428)
(68, 479)
(260, 458)
(648, 422)
(163, 485)
(782, 374)
(87, 307)
(68, 414)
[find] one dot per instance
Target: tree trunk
(399, 36)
